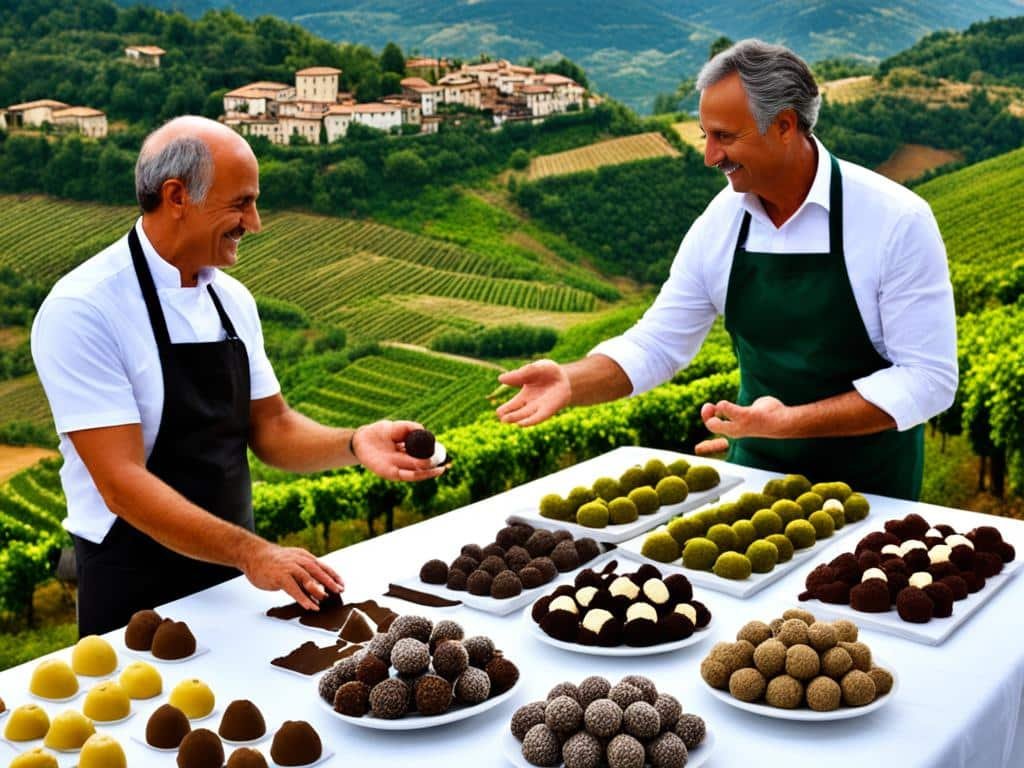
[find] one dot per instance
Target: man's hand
(269, 566)
(765, 417)
(380, 447)
(545, 391)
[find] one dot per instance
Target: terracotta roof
(312, 71)
(340, 109)
(398, 101)
(77, 112)
(258, 90)
(423, 61)
(487, 66)
(149, 50)
(300, 116)
(376, 107)
(415, 82)
(551, 78)
(38, 103)
(536, 89)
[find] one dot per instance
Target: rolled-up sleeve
(918, 326)
(670, 333)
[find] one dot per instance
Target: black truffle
(541, 543)
(479, 583)
(296, 743)
(503, 673)
(480, 649)
(433, 695)
(871, 596)
(505, 585)
(587, 549)
(914, 605)
(353, 699)
(420, 444)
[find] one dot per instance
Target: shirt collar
(819, 193)
(165, 274)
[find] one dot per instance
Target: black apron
(799, 336)
(200, 451)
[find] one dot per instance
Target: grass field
(23, 399)
(691, 132)
(612, 152)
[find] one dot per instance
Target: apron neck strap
(156, 314)
(229, 327)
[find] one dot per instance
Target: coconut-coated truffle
(434, 572)
(332, 680)
(821, 636)
(691, 730)
(882, 679)
(446, 629)
(669, 709)
(784, 692)
(380, 645)
(410, 656)
(603, 718)
(846, 630)
(770, 657)
(418, 627)
(389, 699)
(526, 717)
(353, 699)
(755, 632)
(747, 684)
(793, 632)
(714, 673)
(624, 751)
(858, 688)
(433, 695)
(563, 715)
(641, 720)
(836, 662)
(480, 649)
(503, 673)
(581, 750)
(646, 686)
(667, 751)
(914, 605)
(371, 670)
(450, 659)
(473, 686)
(823, 694)
(591, 689)
(625, 694)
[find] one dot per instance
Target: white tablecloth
(957, 704)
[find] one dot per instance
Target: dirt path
(14, 458)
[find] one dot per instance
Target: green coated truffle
(661, 546)
(701, 477)
(801, 534)
(763, 556)
(654, 470)
(555, 507)
(856, 507)
(748, 503)
(645, 498)
(788, 510)
(745, 532)
(837, 490)
(707, 518)
(724, 537)
(672, 490)
(607, 488)
(685, 528)
(700, 554)
(679, 467)
(766, 523)
(732, 565)
(579, 496)
(776, 488)
(592, 515)
(727, 513)
(823, 524)
(783, 545)
(632, 478)
(621, 510)
(838, 517)
(796, 485)
(810, 502)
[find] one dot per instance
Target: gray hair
(774, 78)
(187, 159)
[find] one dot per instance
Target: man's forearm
(597, 379)
(845, 415)
(294, 443)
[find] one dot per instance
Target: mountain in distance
(631, 50)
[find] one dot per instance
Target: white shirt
(896, 261)
(97, 358)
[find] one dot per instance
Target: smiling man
(153, 362)
(833, 283)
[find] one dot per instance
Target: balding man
(153, 363)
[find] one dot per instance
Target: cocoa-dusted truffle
(846, 630)
(138, 635)
(530, 577)
(418, 627)
(166, 727)
(883, 680)
(784, 692)
(464, 563)
(202, 749)
(517, 558)
(987, 564)
(564, 689)
(450, 659)
(503, 673)
(593, 688)
(526, 717)
(474, 551)
(565, 557)
(587, 549)
(691, 730)
(480, 649)
(669, 709)
(505, 585)
(540, 543)
(641, 720)
(173, 640)
(942, 599)
(479, 583)
(493, 565)
(603, 718)
(545, 566)
(581, 750)
(858, 688)
(434, 572)
(353, 699)
(679, 587)
(389, 699)
(747, 684)
(433, 695)
(494, 550)
(625, 752)
(541, 746)
(563, 715)
(296, 743)
(371, 670)
(667, 751)
(645, 685)
(914, 605)
(242, 721)
(247, 757)
(457, 581)
(823, 694)
(821, 636)
(473, 686)
(625, 694)
(871, 596)
(410, 656)
(380, 645)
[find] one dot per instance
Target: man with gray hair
(152, 359)
(834, 286)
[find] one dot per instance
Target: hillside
(631, 50)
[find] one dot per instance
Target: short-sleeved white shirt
(97, 358)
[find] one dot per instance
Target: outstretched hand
(545, 391)
(380, 447)
(765, 417)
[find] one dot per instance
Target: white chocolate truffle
(956, 539)
(921, 579)
(892, 549)
(910, 545)
(563, 603)
(940, 553)
(688, 611)
(933, 533)
(585, 594)
(656, 591)
(874, 573)
(832, 504)
(440, 455)
(641, 611)
(624, 586)
(596, 619)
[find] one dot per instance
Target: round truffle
(380, 645)
(173, 640)
(352, 699)
(434, 572)
(747, 684)
(603, 718)
(450, 659)
(770, 657)
(389, 699)
(410, 656)
(667, 751)
(418, 627)
(247, 757)
(540, 543)
(641, 720)
(913, 605)
(479, 583)
(526, 717)
(93, 656)
(625, 694)
(541, 746)
(193, 697)
(242, 721)
(138, 635)
(883, 680)
(473, 686)
(793, 632)
(371, 670)
(503, 673)
(802, 662)
(480, 649)
(433, 695)
(858, 688)
(755, 632)
(823, 694)
(166, 727)
(581, 750)
(591, 689)
(563, 715)
(691, 730)
(295, 743)
(624, 751)
(507, 584)
(202, 749)
(836, 662)
(784, 692)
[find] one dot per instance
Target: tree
(719, 45)
(567, 68)
(392, 60)
(406, 169)
(390, 84)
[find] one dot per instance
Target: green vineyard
(400, 383)
(23, 399)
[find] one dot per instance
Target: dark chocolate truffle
(371, 670)
(380, 645)
(505, 585)
(433, 695)
(246, 757)
(526, 717)
(530, 577)
(871, 596)
(173, 640)
(434, 572)
(587, 549)
(353, 699)
(465, 563)
(479, 583)
(517, 558)
(138, 635)
(540, 543)
(914, 605)
(389, 699)
(679, 587)
(545, 566)
(494, 550)
(456, 580)
(296, 743)
(332, 680)
(242, 721)
(503, 673)
(493, 564)
(561, 625)
(446, 629)
(473, 686)
(450, 659)
(942, 599)
(474, 551)
(201, 748)
(565, 557)
(420, 444)
(987, 564)
(166, 727)
(480, 650)
(957, 586)
(541, 746)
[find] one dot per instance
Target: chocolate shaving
(419, 598)
(309, 659)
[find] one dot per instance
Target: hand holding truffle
(765, 417)
(379, 448)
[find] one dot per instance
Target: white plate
(502, 607)
(618, 650)
(142, 740)
(251, 742)
(107, 723)
(564, 481)
(753, 583)
(65, 700)
(809, 715)
(414, 720)
(513, 750)
(147, 656)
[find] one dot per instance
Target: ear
(788, 125)
(174, 197)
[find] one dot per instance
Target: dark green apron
(799, 337)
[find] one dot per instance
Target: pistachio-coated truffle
(389, 699)
(824, 525)
(766, 522)
(702, 477)
(624, 751)
(723, 536)
(581, 750)
(810, 502)
(700, 554)
(746, 534)
(801, 533)
(563, 715)
(622, 510)
(788, 511)
(554, 507)
(579, 496)
(763, 556)
(679, 467)
(784, 692)
(691, 730)
(783, 546)
(634, 477)
(856, 507)
(823, 694)
(747, 684)
(526, 717)
(593, 515)
(770, 657)
(602, 718)
(858, 688)
(682, 529)
(607, 488)
(541, 746)
(672, 490)
(732, 565)
(661, 546)
(645, 498)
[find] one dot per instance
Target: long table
(958, 704)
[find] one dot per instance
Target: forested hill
(632, 50)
